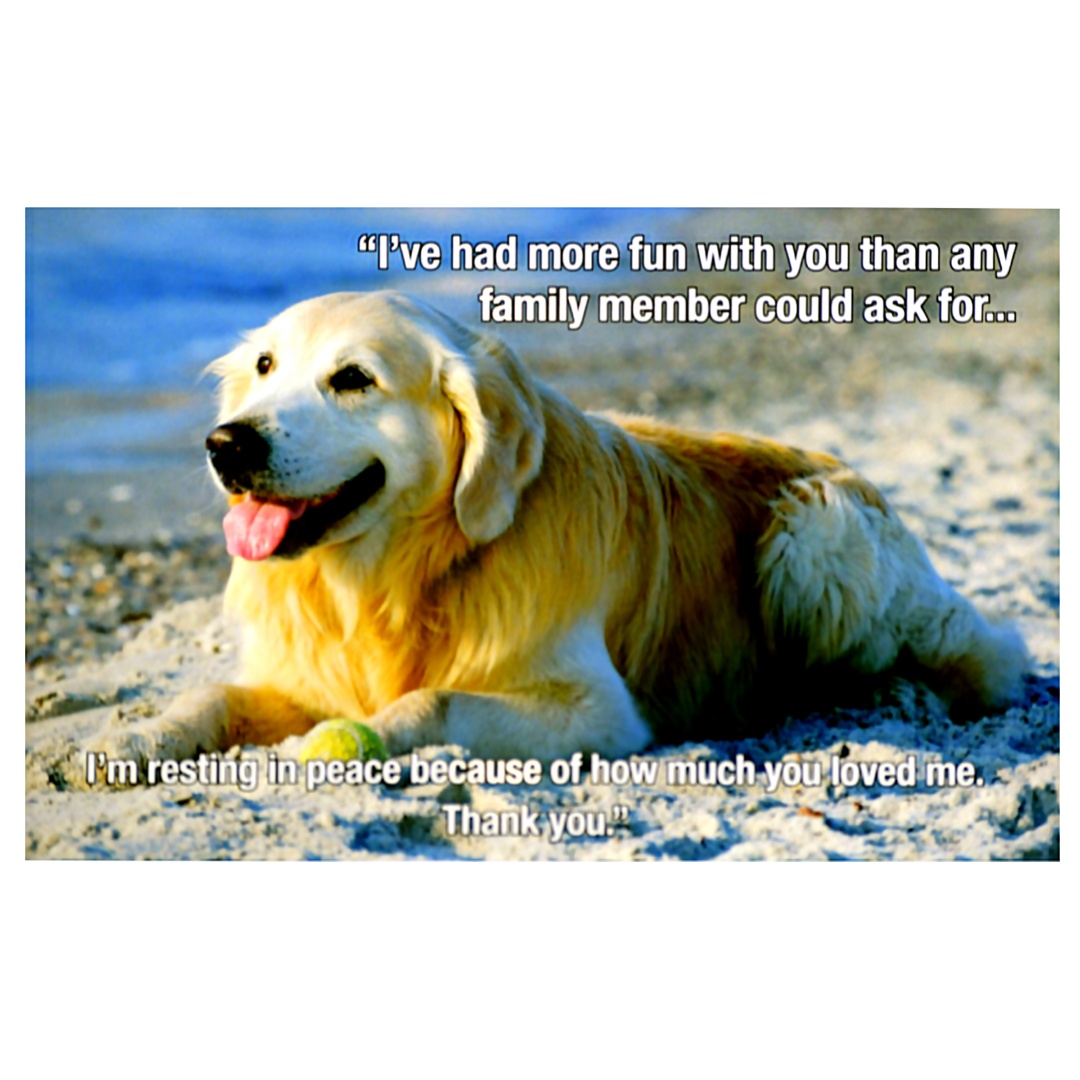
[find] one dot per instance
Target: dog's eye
(350, 378)
(264, 364)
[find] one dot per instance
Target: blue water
(122, 300)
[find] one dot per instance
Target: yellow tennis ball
(341, 740)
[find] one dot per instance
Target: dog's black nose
(237, 452)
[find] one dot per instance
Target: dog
(428, 539)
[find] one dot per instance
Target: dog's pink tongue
(254, 529)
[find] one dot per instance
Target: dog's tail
(977, 667)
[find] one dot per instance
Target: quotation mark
(368, 243)
(619, 816)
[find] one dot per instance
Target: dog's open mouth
(256, 529)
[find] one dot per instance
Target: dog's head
(348, 414)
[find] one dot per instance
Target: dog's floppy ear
(493, 394)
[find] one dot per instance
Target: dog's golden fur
(532, 580)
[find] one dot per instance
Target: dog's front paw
(138, 744)
(195, 722)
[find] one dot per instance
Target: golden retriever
(430, 540)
